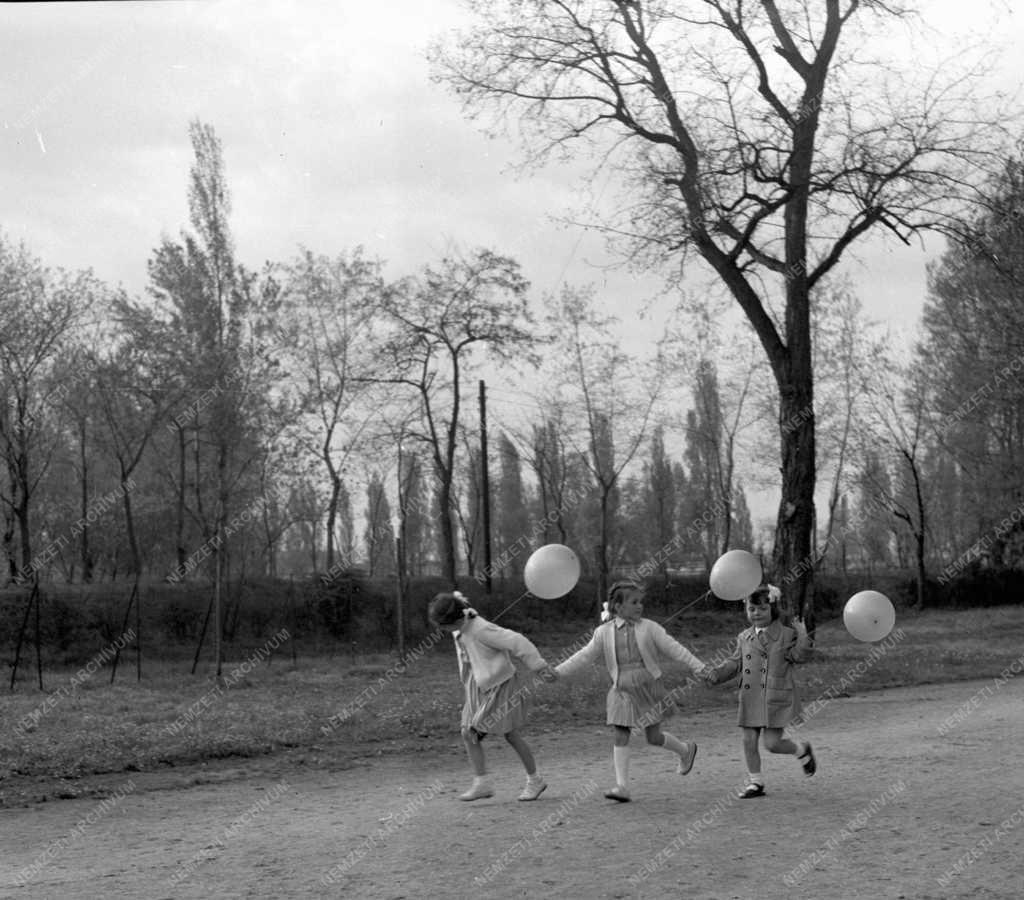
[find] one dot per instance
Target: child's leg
(620, 760)
(522, 749)
(776, 742)
(481, 786)
(535, 785)
(686, 752)
(475, 751)
(755, 783)
(751, 754)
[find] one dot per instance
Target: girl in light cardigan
(495, 695)
(630, 647)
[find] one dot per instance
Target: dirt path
(892, 809)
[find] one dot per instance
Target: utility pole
(485, 489)
(400, 558)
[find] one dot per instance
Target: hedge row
(354, 614)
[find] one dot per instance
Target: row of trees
(232, 417)
(136, 433)
(226, 422)
(234, 411)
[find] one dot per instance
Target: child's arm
(672, 648)
(590, 653)
(728, 669)
(518, 645)
(797, 649)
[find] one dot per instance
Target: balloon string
(703, 596)
(507, 608)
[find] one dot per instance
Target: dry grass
(95, 727)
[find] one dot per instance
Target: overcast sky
(333, 136)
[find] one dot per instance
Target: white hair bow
(467, 610)
(774, 594)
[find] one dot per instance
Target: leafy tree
(379, 536)
(661, 499)
(511, 510)
(217, 318)
(973, 353)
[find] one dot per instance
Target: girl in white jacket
(630, 646)
(496, 696)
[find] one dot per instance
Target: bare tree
(327, 330)
(38, 312)
(615, 396)
(747, 133)
(900, 420)
(435, 322)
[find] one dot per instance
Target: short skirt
(639, 700)
(499, 710)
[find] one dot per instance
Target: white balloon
(735, 575)
(551, 571)
(869, 616)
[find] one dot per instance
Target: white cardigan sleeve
(590, 653)
(673, 649)
(519, 646)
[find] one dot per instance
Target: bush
(980, 587)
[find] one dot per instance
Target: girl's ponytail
(450, 607)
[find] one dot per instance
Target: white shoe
(686, 761)
(480, 789)
(535, 786)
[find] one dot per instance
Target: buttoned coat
(767, 693)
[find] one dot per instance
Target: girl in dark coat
(768, 697)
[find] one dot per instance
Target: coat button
(748, 656)
(747, 686)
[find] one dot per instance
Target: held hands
(707, 674)
(549, 674)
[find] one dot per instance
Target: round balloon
(551, 571)
(735, 575)
(869, 616)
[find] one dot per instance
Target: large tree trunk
(21, 512)
(793, 557)
(332, 517)
(603, 581)
(447, 528)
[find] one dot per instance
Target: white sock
(755, 778)
(674, 744)
(534, 778)
(620, 758)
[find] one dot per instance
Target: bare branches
(723, 144)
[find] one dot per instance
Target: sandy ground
(892, 810)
